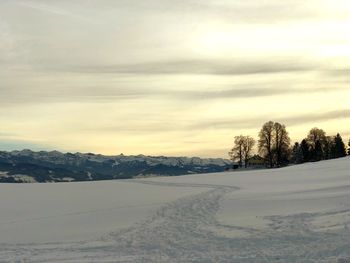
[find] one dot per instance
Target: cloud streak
(219, 124)
(248, 123)
(53, 10)
(109, 94)
(195, 66)
(246, 93)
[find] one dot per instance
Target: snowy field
(295, 214)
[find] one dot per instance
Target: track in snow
(186, 230)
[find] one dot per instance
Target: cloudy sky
(169, 77)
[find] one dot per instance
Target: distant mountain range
(54, 166)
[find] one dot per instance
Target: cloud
(54, 9)
(322, 116)
(154, 126)
(247, 123)
(194, 66)
(107, 83)
(269, 11)
(247, 92)
(340, 72)
(44, 7)
(151, 67)
(101, 94)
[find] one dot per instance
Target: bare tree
(316, 134)
(248, 144)
(281, 143)
(236, 153)
(266, 141)
(274, 143)
(318, 142)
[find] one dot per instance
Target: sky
(165, 77)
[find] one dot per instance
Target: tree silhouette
(317, 141)
(274, 143)
(266, 142)
(339, 146)
(305, 149)
(318, 151)
(297, 154)
(236, 153)
(248, 144)
(242, 149)
(281, 144)
(329, 148)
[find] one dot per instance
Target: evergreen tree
(317, 152)
(297, 154)
(329, 148)
(349, 147)
(339, 147)
(305, 149)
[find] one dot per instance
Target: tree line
(275, 149)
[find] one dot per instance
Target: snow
(19, 177)
(294, 214)
(60, 158)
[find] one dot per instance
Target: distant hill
(54, 166)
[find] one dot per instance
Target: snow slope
(294, 214)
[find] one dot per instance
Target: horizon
(255, 151)
(120, 154)
(170, 79)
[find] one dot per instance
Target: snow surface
(294, 214)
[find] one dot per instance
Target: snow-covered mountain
(27, 165)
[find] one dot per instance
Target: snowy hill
(293, 214)
(26, 165)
